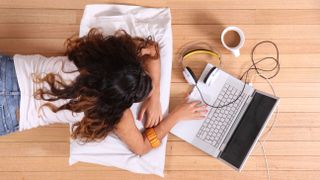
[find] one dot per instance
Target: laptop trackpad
(248, 130)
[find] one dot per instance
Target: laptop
(228, 133)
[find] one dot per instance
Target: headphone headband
(200, 51)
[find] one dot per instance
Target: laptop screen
(248, 129)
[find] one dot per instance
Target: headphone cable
(252, 67)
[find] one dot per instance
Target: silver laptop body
(213, 134)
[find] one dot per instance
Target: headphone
(189, 74)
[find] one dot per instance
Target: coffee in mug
(232, 39)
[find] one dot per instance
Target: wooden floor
(293, 147)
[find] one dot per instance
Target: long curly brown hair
(111, 78)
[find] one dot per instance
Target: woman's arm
(152, 106)
(138, 143)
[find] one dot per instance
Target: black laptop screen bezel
(248, 129)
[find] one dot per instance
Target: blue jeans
(9, 96)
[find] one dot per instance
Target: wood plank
(174, 4)
(173, 175)
(41, 134)
(174, 148)
(32, 46)
(32, 149)
(72, 4)
(40, 16)
(179, 16)
(249, 4)
(298, 120)
(299, 105)
(306, 163)
(302, 90)
(51, 164)
(285, 16)
(38, 31)
(245, 16)
(99, 175)
(190, 16)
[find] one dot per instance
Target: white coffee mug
(234, 50)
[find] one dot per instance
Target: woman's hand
(151, 108)
(189, 110)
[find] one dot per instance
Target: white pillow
(142, 22)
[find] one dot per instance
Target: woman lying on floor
(93, 87)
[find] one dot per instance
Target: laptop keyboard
(219, 120)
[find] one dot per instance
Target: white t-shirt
(31, 115)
